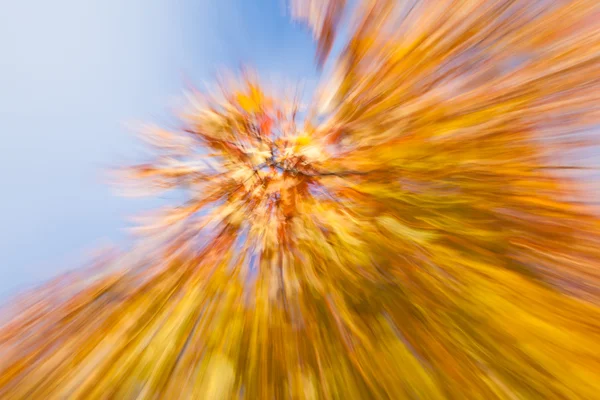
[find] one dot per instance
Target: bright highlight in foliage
(411, 234)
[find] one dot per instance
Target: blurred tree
(405, 236)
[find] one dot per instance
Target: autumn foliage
(410, 233)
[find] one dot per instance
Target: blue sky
(72, 74)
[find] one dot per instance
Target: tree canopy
(409, 233)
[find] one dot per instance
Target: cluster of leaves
(409, 237)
